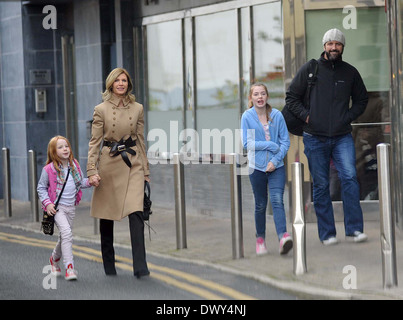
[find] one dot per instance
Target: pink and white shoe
(260, 246)
(55, 270)
(71, 274)
(285, 243)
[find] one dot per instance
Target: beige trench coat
(121, 189)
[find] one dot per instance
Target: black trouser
(136, 225)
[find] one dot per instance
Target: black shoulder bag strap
(312, 76)
(60, 194)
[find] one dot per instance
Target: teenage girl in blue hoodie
(265, 136)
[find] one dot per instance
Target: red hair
(52, 153)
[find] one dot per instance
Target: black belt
(121, 148)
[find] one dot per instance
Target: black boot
(136, 224)
(108, 252)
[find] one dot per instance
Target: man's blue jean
(319, 151)
(275, 182)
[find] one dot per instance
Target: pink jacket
(50, 185)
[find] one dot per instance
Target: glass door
(364, 24)
(366, 49)
(164, 86)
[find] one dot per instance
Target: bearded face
(333, 50)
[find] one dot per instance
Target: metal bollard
(32, 185)
(236, 208)
(298, 217)
(387, 218)
(7, 183)
(180, 208)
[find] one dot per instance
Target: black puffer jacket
(330, 113)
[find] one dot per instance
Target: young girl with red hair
(60, 162)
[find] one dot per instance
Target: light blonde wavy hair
(107, 94)
(250, 103)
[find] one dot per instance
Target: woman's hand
(270, 167)
(147, 178)
(94, 180)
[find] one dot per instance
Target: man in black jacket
(327, 134)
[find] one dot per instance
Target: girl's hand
(270, 167)
(50, 209)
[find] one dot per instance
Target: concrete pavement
(345, 271)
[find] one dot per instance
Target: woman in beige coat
(118, 165)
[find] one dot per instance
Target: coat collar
(115, 100)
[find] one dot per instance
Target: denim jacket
(261, 151)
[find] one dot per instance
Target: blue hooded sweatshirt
(261, 151)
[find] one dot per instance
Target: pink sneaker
(56, 271)
(285, 243)
(260, 246)
(71, 274)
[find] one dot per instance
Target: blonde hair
(113, 75)
(250, 103)
(52, 156)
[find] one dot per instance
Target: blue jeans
(275, 181)
(319, 151)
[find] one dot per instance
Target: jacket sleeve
(283, 141)
(359, 97)
(249, 138)
(84, 182)
(295, 94)
(42, 188)
(97, 132)
(141, 141)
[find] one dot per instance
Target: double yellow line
(205, 289)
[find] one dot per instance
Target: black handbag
(294, 124)
(48, 221)
(147, 202)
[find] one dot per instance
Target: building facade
(192, 63)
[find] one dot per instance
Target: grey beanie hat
(334, 35)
